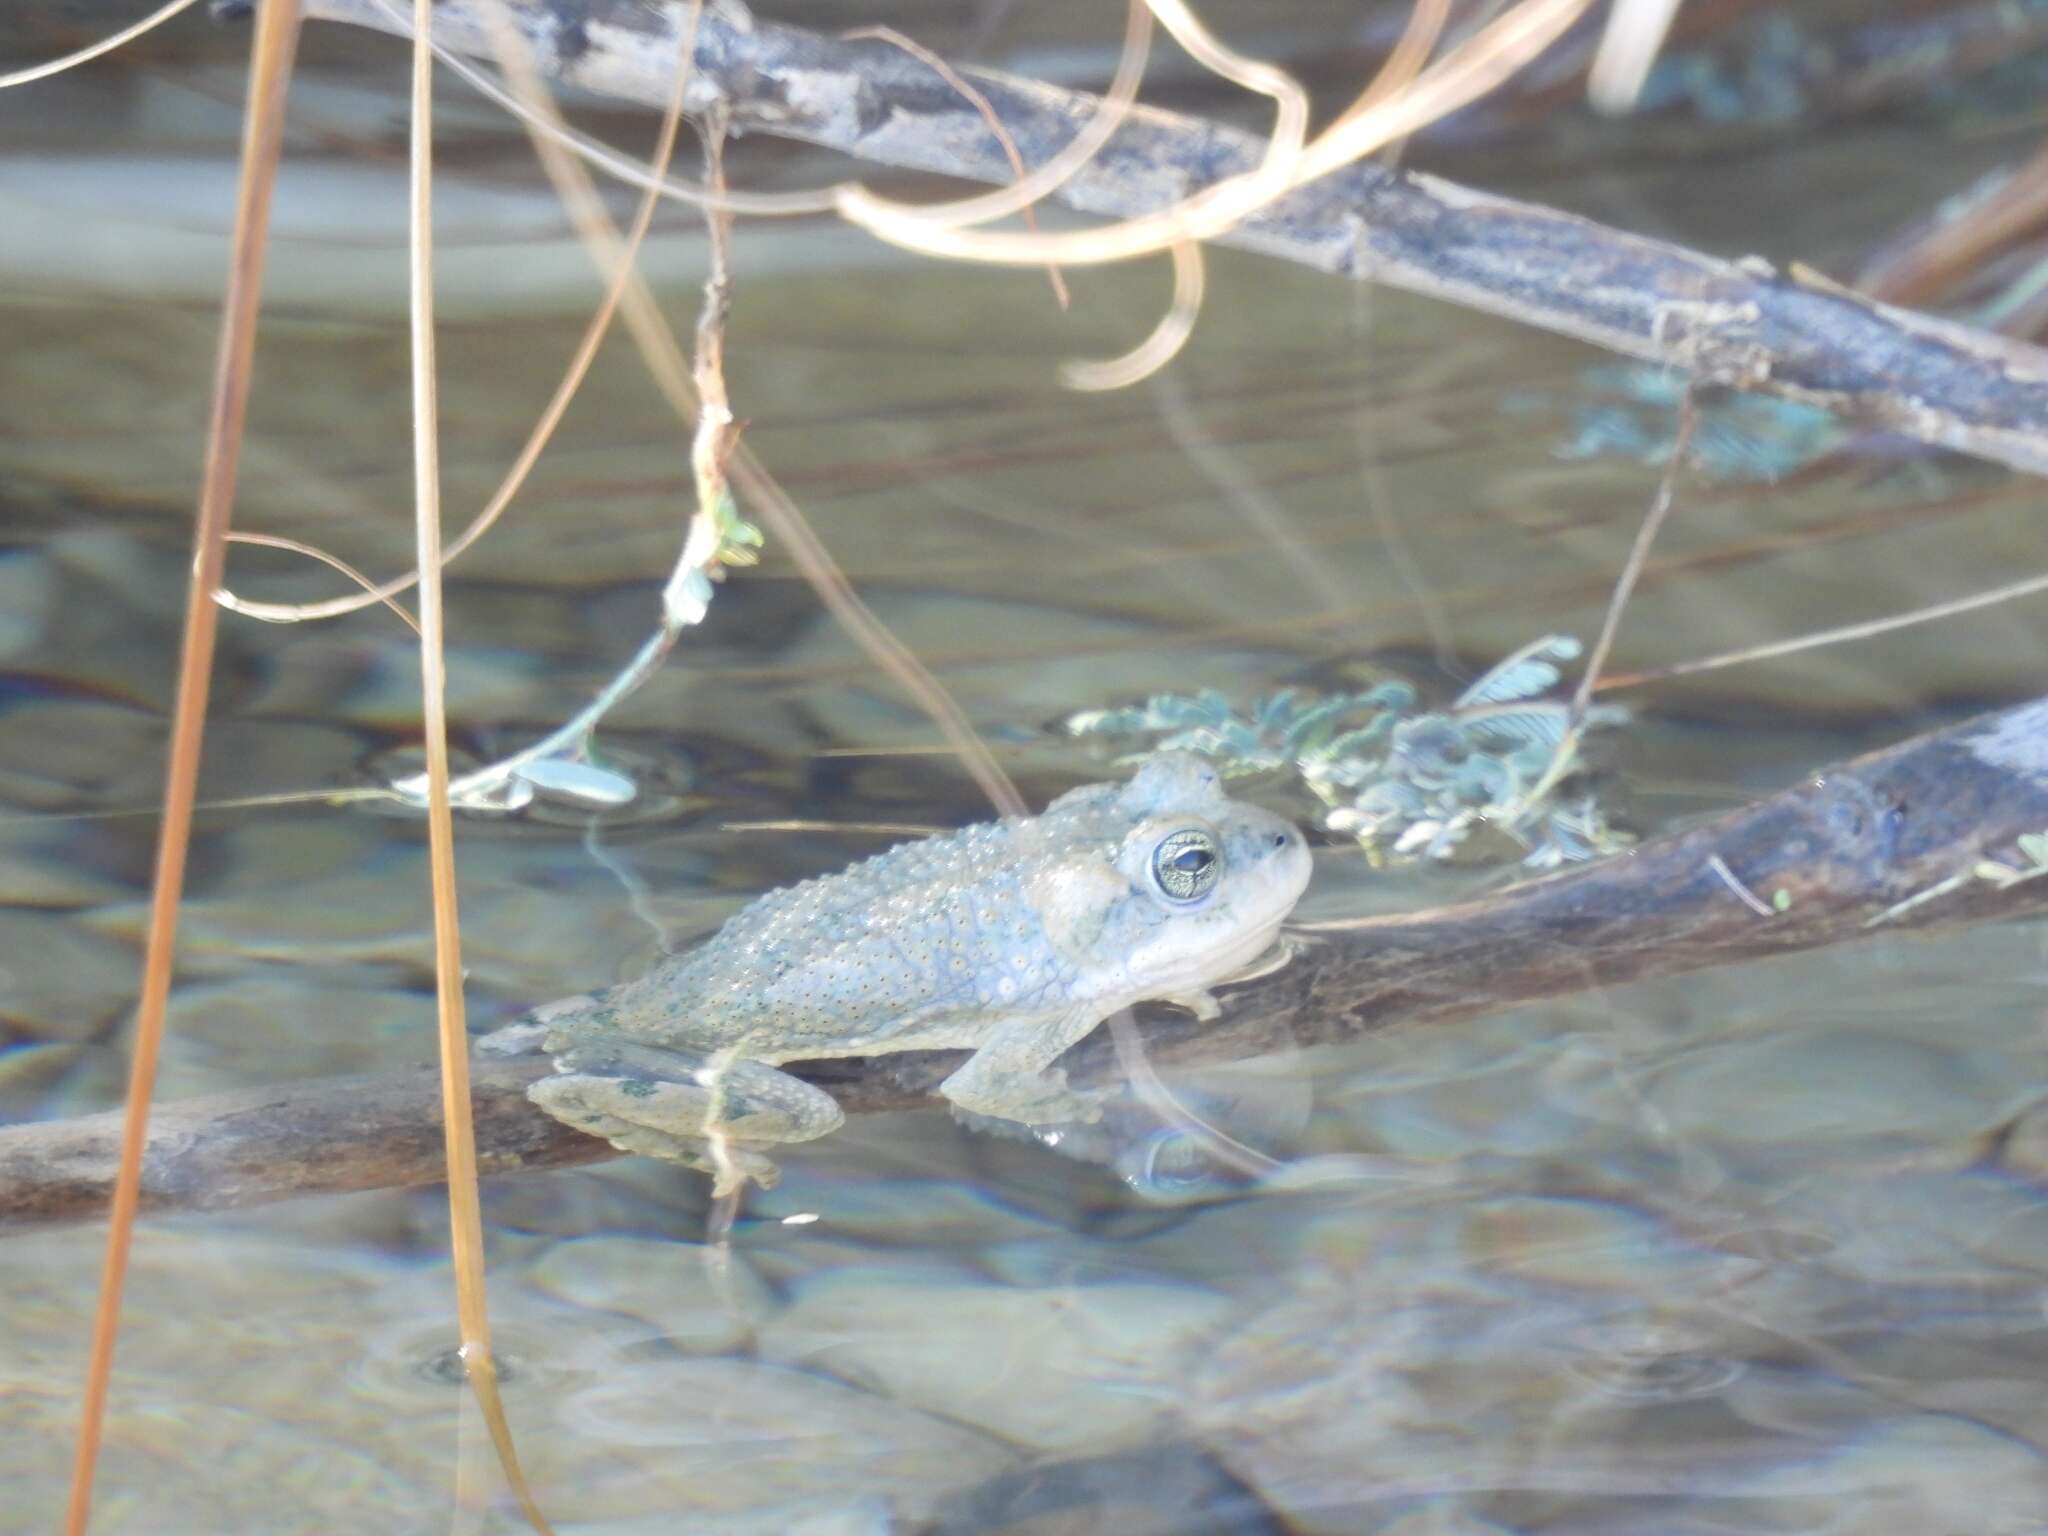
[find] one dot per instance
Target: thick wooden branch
(1846, 847)
(1734, 323)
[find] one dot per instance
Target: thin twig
(270, 66)
(368, 592)
(1863, 631)
(1638, 556)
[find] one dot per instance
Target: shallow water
(1759, 1251)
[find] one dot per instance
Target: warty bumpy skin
(1013, 938)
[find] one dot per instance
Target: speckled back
(928, 927)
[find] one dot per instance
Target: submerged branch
(1738, 324)
(1893, 840)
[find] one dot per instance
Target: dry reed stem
(1410, 53)
(465, 1218)
(270, 63)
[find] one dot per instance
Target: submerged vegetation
(1498, 769)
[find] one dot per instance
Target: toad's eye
(1184, 864)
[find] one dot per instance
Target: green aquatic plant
(1409, 784)
(1289, 729)
(1627, 412)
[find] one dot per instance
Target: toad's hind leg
(1012, 1076)
(675, 1104)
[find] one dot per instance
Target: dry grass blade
(1791, 646)
(86, 55)
(1411, 52)
(275, 41)
(465, 1218)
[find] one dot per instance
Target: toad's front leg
(1012, 1076)
(702, 1109)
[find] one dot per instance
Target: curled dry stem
(980, 102)
(1167, 338)
(1467, 72)
(1055, 172)
(91, 51)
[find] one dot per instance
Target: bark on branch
(1845, 846)
(1734, 323)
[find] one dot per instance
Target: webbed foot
(1041, 1099)
(681, 1105)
